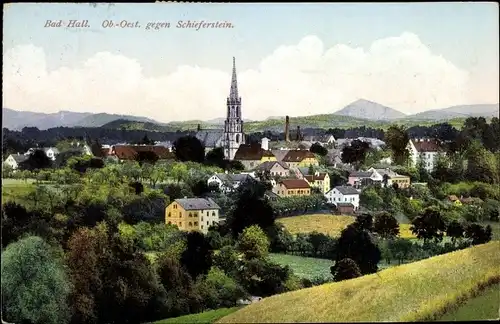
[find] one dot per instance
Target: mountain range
(360, 109)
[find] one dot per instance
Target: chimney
(287, 129)
(199, 128)
(299, 135)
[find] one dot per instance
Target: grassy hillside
(328, 224)
(304, 267)
(419, 291)
(205, 317)
(485, 306)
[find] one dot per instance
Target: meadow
(419, 291)
(328, 224)
(205, 317)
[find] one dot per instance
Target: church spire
(233, 94)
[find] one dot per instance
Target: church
(231, 137)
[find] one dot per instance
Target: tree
(386, 225)
(355, 153)
(317, 148)
(216, 157)
(429, 225)
(227, 259)
(146, 157)
(219, 290)
(253, 243)
(197, 258)
(189, 148)
(345, 269)
(478, 234)
(35, 286)
(397, 138)
(357, 244)
(251, 208)
(36, 161)
(370, 199)
(455, 230)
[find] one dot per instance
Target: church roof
(298, 155)
(209, 138)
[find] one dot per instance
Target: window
(202, 218)
(180, 214)
(213, 213)
(190, 224)
(195, 214)
(180, 223)
(208, 214)
(201, 226)
(169, 214)
(345, 199)
(195, 223)
(169, 223)
(208, 223)
(190, 215)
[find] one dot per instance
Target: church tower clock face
(233, 126)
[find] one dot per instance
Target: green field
(419, 291)
(13, 188)
(484, 306)
(303, 267)
(205, 317)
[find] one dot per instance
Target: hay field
(419, 291)
(328, 224)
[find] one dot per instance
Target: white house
(227, 182)
(425, 149)
(343, 194)
(14, 160)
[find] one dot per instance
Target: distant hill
(390, 295)
(463, 111)
(369, 110)
(16, 120)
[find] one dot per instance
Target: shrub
(345, 269)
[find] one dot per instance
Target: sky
(292, 59)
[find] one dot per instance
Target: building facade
(192, 214)
(292, 187)
(343, 194)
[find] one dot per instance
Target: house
(362, 178)
(14, 160)
(192, 214)
(280, 154)
(227, 182)
(51, 152)
(425, 150)
(320, 180)
(402, 181)
(130, 152)
(343, 194)
(252, 155)
(292, 187)
(275, 168)
(300, 158)
(454, 200)
(345, 208)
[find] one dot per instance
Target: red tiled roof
(251, 152)
(129, 152)
(298, 155)
(295, 183)
(427, 146)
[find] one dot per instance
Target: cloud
(306, 78)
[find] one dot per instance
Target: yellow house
(292, 187)
(252, 155)
(319, 180)
(300, 158)
(192, 214)
(402, 181)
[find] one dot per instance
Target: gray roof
(304, 171)
(361, 174)
(268, 165)
(389, 173)
(19, 158)
(209, 138)
(231, 179)
(347, 190)
(56, 151)
(280, 154)
(197, 203)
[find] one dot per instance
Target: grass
(205, 317)
(328, 224)
(304, 267)
(14, 189)
(419, 291)
(485, 306)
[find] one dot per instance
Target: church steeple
(233, 93)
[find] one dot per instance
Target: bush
(345, 269)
